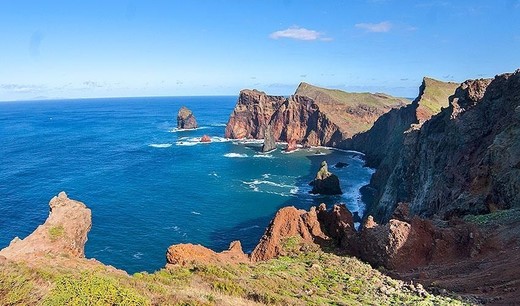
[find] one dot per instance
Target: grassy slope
(303, 278)
(435, 96)
(352, 112)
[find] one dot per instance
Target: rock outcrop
(205, 138)
(269, 141)
(287, 223)
(64, 233)
(191, 254)
(325, 182)
(404, 245)
(186, 119)
(313, 116)
(463, 160)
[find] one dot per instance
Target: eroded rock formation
(64, 233)
(325, 182)
(186, 119)
(288, 222)
(269, 141)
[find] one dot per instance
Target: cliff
(464, 160)
(312, 116)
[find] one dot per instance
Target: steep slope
(313, 116)
(465, 160)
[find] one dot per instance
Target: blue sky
(68, 49)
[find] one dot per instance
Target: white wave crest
(235, 155)
(263, 156)
(160, 145)
(195, 212)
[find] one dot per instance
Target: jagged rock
(292, 145)
(402, 246)
(461, 161)
(288, 222)
(205, 138)
(186, 119)
(325, 182)
(340, 165)
(190, 254)
(269, 141)
(64, 233)
(313, 116)
(338, 223)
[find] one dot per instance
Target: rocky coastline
(446, 192)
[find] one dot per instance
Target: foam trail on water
(235, 155)
(160, 145)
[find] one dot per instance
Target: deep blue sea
(150, 186)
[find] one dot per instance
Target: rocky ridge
(463, 160)
(312, 116)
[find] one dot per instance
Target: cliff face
(313, 116)
(465, 160)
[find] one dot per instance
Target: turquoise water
(150, 186)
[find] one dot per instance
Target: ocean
(148, 184)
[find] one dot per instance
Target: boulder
(325, 182)
(340, 165)
(186, 119)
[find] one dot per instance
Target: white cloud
(298, 33)
(381, 27)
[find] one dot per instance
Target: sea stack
(186, 119)
(325, 182)
(269, 141)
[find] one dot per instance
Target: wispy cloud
(21, 88)
(299, 33)
(381, 27)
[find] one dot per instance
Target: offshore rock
(325, 182)
(269, 141)
(288, 222)
(64, 233)
(186, 119)
(205, 138)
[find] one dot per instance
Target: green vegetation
(352, 112)
(495, 218)
(435, 96)
(90, 288)
(56, 232)
(308, 278)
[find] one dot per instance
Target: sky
(84, 49)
